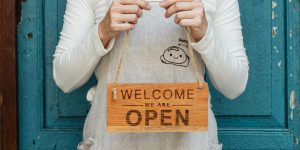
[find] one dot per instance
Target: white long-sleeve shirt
(80, 52)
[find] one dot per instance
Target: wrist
(199, 32)
(103, 34)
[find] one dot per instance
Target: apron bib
(157, 107)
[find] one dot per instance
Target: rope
(124, 45)
(188, 36)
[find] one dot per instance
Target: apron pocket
(91, 93)
(215, 146)
(85, 144)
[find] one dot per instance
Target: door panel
(258, 119)
(62, 110)
(256, 22)
(263, 102)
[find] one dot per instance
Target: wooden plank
(8, 74)
(159, 107)
(1, 132)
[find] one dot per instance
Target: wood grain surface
(8, 75)
(159, 107)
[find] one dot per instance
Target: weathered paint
(274, 31)
(274, 5)
(293, 53)
(292, 104)
(293, 100)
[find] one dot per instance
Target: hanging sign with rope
(157, 107)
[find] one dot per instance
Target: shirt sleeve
(79, 49)
(223, 52)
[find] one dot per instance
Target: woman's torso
(156, 52)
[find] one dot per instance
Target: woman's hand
(188, 13)
(121, 16)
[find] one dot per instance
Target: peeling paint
(276, 49)
(293, 100)
(274, 15)
(292, 104)
(279, 64)
(29, 36)
(274, 4)
(20, 20)
(292, 115)
(274, 31)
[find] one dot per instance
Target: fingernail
(161, 4)
(166, 15)
(148, 6)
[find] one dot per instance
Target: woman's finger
(128, 9)
(185, 15)
(195, 22)
(179, 6)
(167, 3)
(117, 27)
(121, 18)
(141, 3)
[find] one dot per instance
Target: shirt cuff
(201, 46)
(98, 43)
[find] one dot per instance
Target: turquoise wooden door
(266, 116)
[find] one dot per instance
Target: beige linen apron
(152, 56)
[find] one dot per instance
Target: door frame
(8, 75)
(293, 68)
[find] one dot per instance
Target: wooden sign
(159, 107)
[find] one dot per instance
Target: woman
(91, 41)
